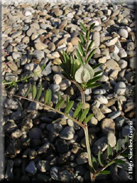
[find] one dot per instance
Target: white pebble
(102, 99)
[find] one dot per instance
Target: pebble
(30, 66)
(93, 121)
(31, 168)
(54, 173)
(130, 46)
(99, 91)
(57, 78)
(108, 125)
(123, 33)
(43, 166)
(43, 148)
(64, 84)
(132, 63)
(55, 87)
(123, 63)
(16, 55)
(11, 104)
(122, 53)
(16, 134)
(100, 145)
(40, 46)
(67, 133)
(66, 176)
(98, 114)
(82, 158)
(111, 42)
(111, 64)
(114, 115)
(96, 38)
(125, 131)
(120, 88)
(35, 133)
(102, 99)
(75, 41)
(111, 139)
(38, 54)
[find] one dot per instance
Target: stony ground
(42, 145)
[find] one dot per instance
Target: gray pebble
(120, 88)
(31, 168)
(67, 133)
(54, 173)
(82, 158)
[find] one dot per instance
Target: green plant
(77, 69)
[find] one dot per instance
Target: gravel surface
(44, 146)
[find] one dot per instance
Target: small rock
(102, 99)
(16, 134)
(31, 168)
(67, 133)
(47, 69)
(104, 109)
(57, 78)
(30, 66)
(98, 114)
(43, 149)
(66, 176)
(54, 173)
(39, 54)
(108, 125)
(132, 63)
(26, 124)
(120, 88)
(99, 91)
(35, 133)
(130, 46)
(111, 64)
(111, 42)
(55, 87)
(43, 166)
(114, 115)
(51, 46)
(122, 53)
(100, 145)
(40, 46)
(12, 66)
(82, 158)
(111, 139)
(96, 38)
(93, 121)
(75, 41)
(11, 104)
(28, 13)
(16, 55)
(123, 64)
(123, 33)
(65, 84)
(126, 131)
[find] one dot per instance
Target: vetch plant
(78, 70)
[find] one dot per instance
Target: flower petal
(85, 76)
(91, 71)
(78, 75)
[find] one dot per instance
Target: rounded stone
(111, 139)
(102, 99)
(123, 33)
(35, 133)
(108, 125)
(96, 38)
(130, 46)
(75, 41)
(67, 133)
(120, 88)
(57, 78)
(82, 158)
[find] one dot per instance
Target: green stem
(87, 142)
(53, 109)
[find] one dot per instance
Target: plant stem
(104, 167)
(87, 142)
(47, 107)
